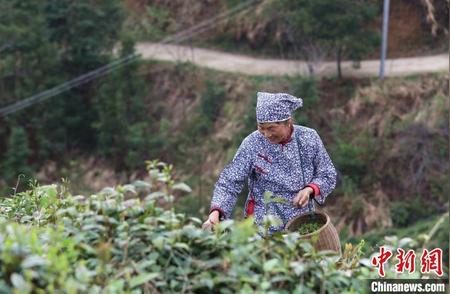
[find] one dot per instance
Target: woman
(288, 160)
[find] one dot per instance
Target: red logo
(405, 261)
(431, 261)
(381, 259)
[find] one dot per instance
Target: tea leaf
(141, 279)
(182, 187)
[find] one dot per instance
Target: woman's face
(275, 132)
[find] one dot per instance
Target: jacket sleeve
(231, 181)
(324, 172)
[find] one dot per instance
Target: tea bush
(129, 239)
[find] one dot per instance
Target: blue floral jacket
(283, 169)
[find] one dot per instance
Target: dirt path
(259, 66)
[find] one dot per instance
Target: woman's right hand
(212, 220)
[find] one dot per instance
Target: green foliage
(248, 122)
(86, 31)
(306, 88)
(212, 100)
(349, 160)
(17, 155)
(310, 227)
(44, 44)
(35, 259)
(151, 25)
(351, 255)
(210, 105)
(203, 122)
(404, 213)
(400, 214)
(337, 26)
(121, 240)
(122, 125)
(28, 64)
(230, 3)
(26, 56)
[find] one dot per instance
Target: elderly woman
(288, 160)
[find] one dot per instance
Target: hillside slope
(416, 27)
(389, 140)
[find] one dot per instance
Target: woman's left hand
(302, 197)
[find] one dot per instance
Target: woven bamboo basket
(328, 238)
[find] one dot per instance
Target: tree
(85, 33)
(333, 25)
(26, 56)
(43, 44)
(122, 127)
(27, 65)
(16, 157)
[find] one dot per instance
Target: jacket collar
(289, 138)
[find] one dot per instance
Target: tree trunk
(310, 69)
(338, 59)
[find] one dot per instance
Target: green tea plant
(128, 239)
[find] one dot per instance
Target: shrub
(348, 159)
(122, 240)
(17, 155)
(305, 88)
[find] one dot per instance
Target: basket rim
(327, 222)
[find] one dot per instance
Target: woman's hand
(302, 197)
(212, 220)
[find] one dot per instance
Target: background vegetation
(266, 27)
